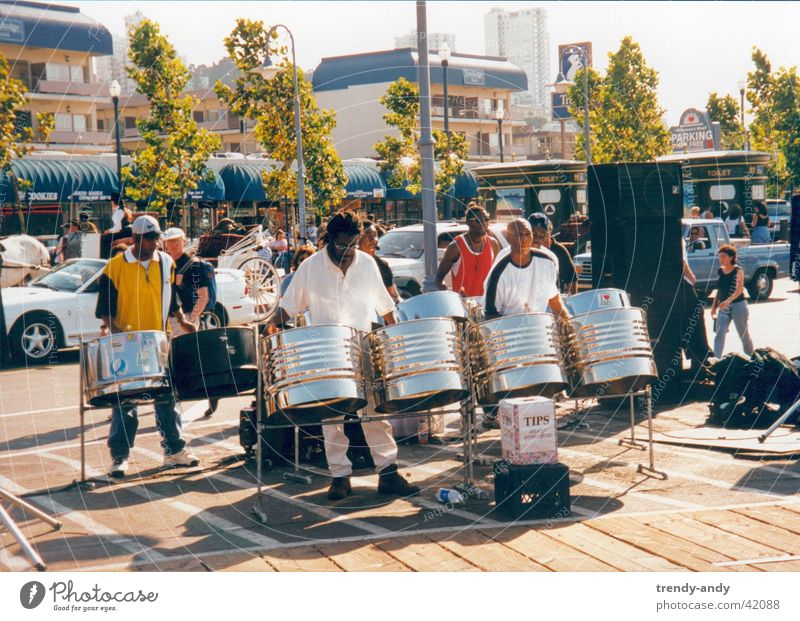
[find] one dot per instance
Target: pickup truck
(762, 263)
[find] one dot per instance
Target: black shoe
(340, 488)
(390, 482)
(119, 467)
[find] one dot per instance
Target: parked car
(778, 210)
(403, 249)
(56, 310)
(762, 263)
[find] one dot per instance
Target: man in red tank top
(469, 257)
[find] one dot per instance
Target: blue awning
(243, 182)
(206, 191)
(93, 181)
(466, 186)
(51, 26)
(364, 182)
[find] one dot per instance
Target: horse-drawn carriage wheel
(263, 285)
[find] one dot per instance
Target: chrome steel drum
(596, 299)
(475, 309)
(610, 352)
(128, 366)
(418, 365)
(315, 372)
(517, 356)
(434, 304)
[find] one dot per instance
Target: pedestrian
(69, 246)
(734, 222)
(342, 285)
(121, 219)
(469, 257)
(303, 252)
(760, 225)
(542, 229)
(195, 283)
(369, 243)
(311, 233)
(135, 293)
(694, 340)
(694, 211)
(729, 303)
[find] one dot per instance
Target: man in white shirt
(342, 285)
(525, 280)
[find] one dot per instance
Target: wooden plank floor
(671, 541)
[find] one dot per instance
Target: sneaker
(340, 488)
(490, 422)
(183, 458)
(390, 482)
(119, 467)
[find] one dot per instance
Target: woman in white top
(734, 223)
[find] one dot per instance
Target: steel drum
(214, 363)
(418, 365)
(596, 299)
(475, 311)
(610, 352)
(431, 305)
(517, 356)
(315, 372)
(127, 366)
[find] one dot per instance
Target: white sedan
(56, 310)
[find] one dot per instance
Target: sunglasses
(342, 247)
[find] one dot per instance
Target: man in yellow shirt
(136, 293)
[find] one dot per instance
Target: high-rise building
(435, 40)
(521, 36)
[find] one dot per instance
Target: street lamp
(114, 90)
(268, 71)
(742, 91)
(444, 58)
(584, 54)
(499, 114)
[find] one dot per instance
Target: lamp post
(499, 115)
(114, 90)
(584, 54)
(742, 91)
(444, 58)
(268, 71)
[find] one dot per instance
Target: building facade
(50, 49)
(478, 86)
(522, 37)
(436, 40)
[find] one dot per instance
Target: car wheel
(760, 287)
(36, 337)
(215, 318)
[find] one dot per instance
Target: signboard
(474, 77)
(571, 58)
(560, 106)
(91, 196)
(12, 30)
(39, 196)
(693, 133)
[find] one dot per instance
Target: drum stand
(786, 415)
(83, 482)
(6, 519)
(650, 469)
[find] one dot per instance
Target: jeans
(760, 235)
(739, 314)
(125, 422)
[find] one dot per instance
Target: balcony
(83, 89)
(87, 137)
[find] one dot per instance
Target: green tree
(271, 104)
(773, 97)
(625, 117)
(725, 110)
(400, 156)
(174, 158)
(14, 139)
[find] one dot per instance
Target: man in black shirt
(368, 242)
(567, 276)
(192, 284)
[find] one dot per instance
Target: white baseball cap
(144, 225)
(174, 233)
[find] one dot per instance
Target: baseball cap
(144, 225)
(540, 220)
(174, 232)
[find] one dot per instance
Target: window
(197, 115)
(58, 72)
(722, 192)
(63, 122)
(130, 122)
(79, 122)
(549, 196)
(101, 125)
(76, 73)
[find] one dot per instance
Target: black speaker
(635, 191)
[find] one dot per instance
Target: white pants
(379, 439)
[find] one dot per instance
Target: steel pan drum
(517, 356)
(475, 309)
(315, 372)
(596, 299)
(418, 365)
(434, 304)
(610, 352)
(128, 366)
(214, 363)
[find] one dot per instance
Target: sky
(697, 47)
